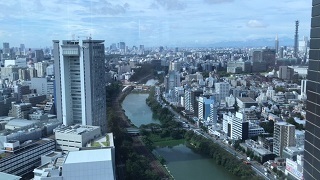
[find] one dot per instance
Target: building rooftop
(22, 122)
(88, 156)
(247, 99)
(5, 176)
(6, 118)
(76, 129)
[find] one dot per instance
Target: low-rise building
(72, 138)
(80, 165)
(258, 150)
(20, 159)
(294, 169)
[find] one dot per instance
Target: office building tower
(207, 109)
(122, 45)
(222, 89)
(22, 49)
(312, 136)
(174, 66)
(281, 51)
(6, 48)
(172, 80)
(277, 44)
(286, 73)
(304, 86)
(41, 68)
(80, 82)
(38, 55)
(296, 40)
(191, 103)
(283, 136)
(235, 127)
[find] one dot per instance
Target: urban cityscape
(162, 89)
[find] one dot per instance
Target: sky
(172, 23)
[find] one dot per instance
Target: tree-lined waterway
(181, 161)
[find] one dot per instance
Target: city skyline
(152, 22)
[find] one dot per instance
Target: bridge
(133, 131)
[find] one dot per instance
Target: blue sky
(151, 22)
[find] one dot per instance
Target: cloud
(170, 4)
(105, 7)
(256, 24)
(153, 6)
(217, 1)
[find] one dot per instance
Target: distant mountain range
(255, 43)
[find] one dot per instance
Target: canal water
(137, 110)
(181, 161)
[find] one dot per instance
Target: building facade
(80, 82)
(312, 136)
(284, 136)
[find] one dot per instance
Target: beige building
(284, 136)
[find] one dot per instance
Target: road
(258, 168)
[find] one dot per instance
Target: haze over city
(173, 23)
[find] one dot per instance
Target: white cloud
(256, 24)
(170, 21)
(172, 4)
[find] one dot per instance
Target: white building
(77, 165)
(43, 86)
(294, 169)
(50, 70)
(72, 138)
(41, 68)
(80, 82)
(20, 62)
(92, 164)
(232, 126)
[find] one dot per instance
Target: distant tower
(277, 44)
(296, 40)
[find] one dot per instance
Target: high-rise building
(296, 40)
(80, 82)
(312, 136)
(222, 89)
(283, 136)
(6, 48)
(41, 68)
(277, 44)
(172, 80)
(207, 108)
(22, 49)
(286, 73)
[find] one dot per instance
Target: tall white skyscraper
(80, 82)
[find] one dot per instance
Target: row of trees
(220, 156)
(164, 115)
(169, 128)
(135, 166)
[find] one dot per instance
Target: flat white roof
(5, 176)
(88, 156)
(21, 122)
